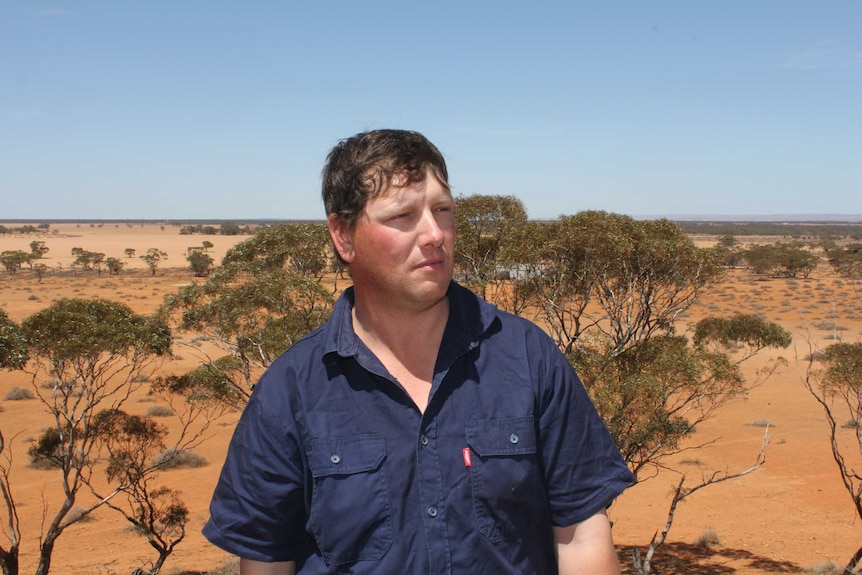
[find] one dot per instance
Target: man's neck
(406, 333)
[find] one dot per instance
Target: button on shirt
(333, 466)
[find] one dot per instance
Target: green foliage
(38, 249)
(114, 265)
(13, 260)
(47, 451)
(846, 260)
(13, 345)
(641, 274)
(88, 260)
(263, 298)
(301, 248)
(654, 394)
(219, 381)
(153, 258)
(487, 225)
(843, 366)
(77, 328)
(200, 263)
(783, 259)
(746, 329)
(130, 440)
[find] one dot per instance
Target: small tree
(837, 387)
(91, 352)
(158, 513)
(88, 260)
(38, 249)
(13, 260)
(40, 270)
(13, 355)
(130, 252)
(114, 265)
(200, 263)
(486, 227)
(153, 258)
(207, 245)
(264, 297)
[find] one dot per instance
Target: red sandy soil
(787, 517)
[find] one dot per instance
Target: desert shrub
(760, 423)
(172, 459)
(850, 424)
(709, 538)
(816, 356)
(79, 514)
(160, 411)
(141, 378)
(52, 383)
(33, 298)
(19, 394)
(828, 568)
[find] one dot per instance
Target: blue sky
(213, 109)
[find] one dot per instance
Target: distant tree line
(794, 230)
(224, 229)
(25, 229)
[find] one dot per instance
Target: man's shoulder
(494, 322)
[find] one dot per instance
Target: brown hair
(363, 166)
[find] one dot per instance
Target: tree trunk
(854, 562)
(9, 562)
(45, 552)
(163, 556)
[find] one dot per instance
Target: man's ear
(342, 237)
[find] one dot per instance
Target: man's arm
(587, 547)
(249, 567)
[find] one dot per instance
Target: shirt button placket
(431, 495)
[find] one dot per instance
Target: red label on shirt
(466, 453)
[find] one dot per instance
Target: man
(420, 430)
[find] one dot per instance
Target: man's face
(400, 251)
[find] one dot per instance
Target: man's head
(366, 165)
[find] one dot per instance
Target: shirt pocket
(508, 491)
(350, 512)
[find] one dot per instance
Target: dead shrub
(160, 411)
(172, 459)
(20, 394)
(708, 539)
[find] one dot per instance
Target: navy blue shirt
(333, 466)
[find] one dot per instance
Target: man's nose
(431, 230)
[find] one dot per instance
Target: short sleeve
(583, 468)
(257, 511)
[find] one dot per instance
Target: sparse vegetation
(708, 539)
(20, 394)
(173, 459)
(760, 423)
(160, 411)
(819, 298)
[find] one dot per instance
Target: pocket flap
(489, 437)
(346, 455)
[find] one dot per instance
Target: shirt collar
(469, 318)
